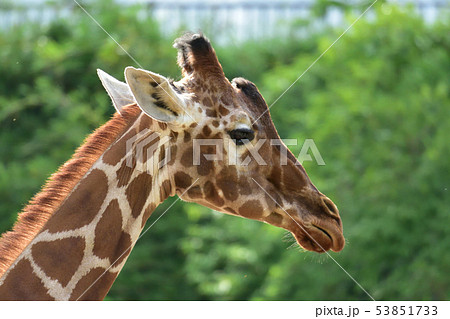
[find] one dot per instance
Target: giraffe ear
(154, 95)
(118, 91)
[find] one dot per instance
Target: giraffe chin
(321, 238)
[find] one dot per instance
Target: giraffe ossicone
(73, 238)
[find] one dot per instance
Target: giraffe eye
(242, 135)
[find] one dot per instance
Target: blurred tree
(376, 105)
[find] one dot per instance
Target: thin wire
(143, 233)
(131, 57)
(320, 56)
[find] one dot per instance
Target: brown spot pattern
(244, 186)
(223, 110)
(165, 190)
(274, 219)
(173, 152)
(123, 249)
(82, 206)
(275, 177)
(148, 150)
(174, 136)
(206, 130)
(226, 181)
(162, 125)
(147, 213)
(293, 178)
(43, 207)
(123, 174)
(108, 231)
(59, 259)
(226, 99)
(272, 198)
(138, 191)
(182, 180)
(211, 194)
(251, 209)
(195, 192)
(187, 158)
(27, 286)
(211, 113)
(162, 154)
(207, 102)
(98, 290)
(118, 150)
(206, 166)
(187, 137)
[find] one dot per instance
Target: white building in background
(234, 20)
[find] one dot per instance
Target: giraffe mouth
(324, 231)
(320, 237)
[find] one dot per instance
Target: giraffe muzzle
(320, 235)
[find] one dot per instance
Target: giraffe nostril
(331, 208)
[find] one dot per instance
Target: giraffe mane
(59, 185)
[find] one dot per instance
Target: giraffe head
(225, 151)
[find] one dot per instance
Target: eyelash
(241, 136)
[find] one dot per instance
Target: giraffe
(74, 237)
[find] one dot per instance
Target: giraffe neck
(82, 247)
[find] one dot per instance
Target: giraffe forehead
(226, 103)
(221, 118)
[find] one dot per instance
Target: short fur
(60, 184)
(195, 54)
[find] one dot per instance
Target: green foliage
(376, 105)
